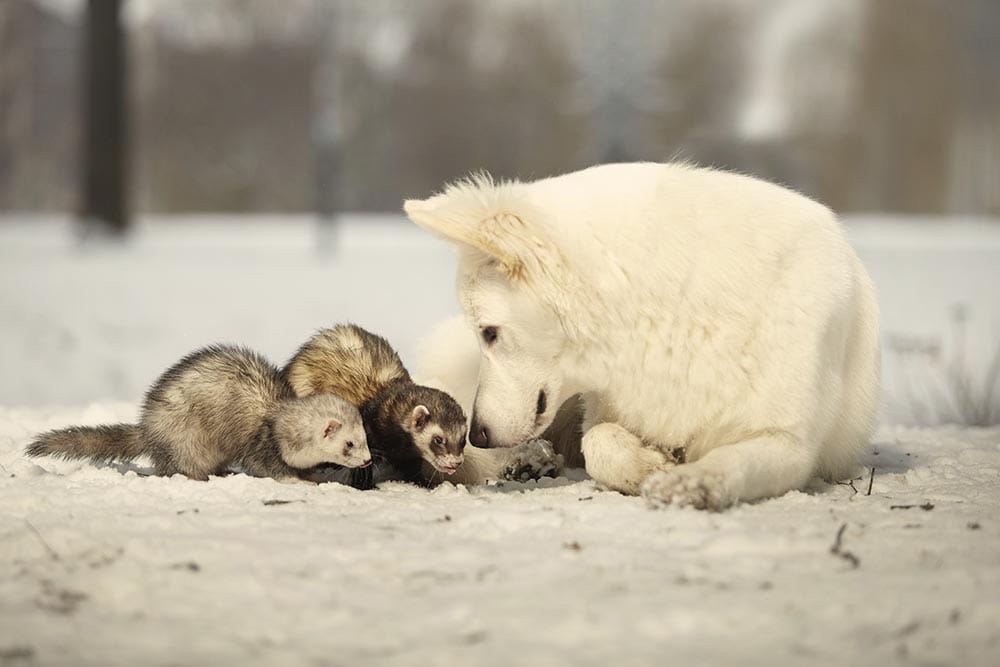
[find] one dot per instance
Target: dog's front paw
(533, 460)
(686, 486)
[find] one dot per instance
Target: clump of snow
(102, 565)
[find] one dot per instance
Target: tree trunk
(105, 203)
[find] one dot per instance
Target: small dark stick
(871, 480)
(927, 507)
(850, 483)
(52, 552)
(846, 555)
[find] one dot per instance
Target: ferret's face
(343, 444)
(308, 442)
(439, 437)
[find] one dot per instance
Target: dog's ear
(488, 218)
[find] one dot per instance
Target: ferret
(407, 423)
(222, 406)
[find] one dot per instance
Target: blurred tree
(226, 127)
(894, 108)
(105, 119)
(12, 65)
(701, 76)
(477, 87)
(617, 49)
(39, 108)
(906, 107)
(975, 155)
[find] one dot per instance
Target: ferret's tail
(99, 443)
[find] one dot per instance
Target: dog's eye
(489, 335)
(437, 440)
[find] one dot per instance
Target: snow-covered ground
(102, 566)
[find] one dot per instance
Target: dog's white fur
(693, 309)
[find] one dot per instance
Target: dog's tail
(99, 443)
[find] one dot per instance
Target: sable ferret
(223, 406)
(406, 423)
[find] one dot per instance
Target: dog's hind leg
(770, 464)
(616, 458)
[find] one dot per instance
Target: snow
(101, 567)
(102, 322)
(927, 271)
(105, 566)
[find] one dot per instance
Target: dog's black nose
(479, 435)
(542, 403)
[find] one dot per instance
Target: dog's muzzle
(479, 435)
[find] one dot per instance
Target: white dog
(721, 330)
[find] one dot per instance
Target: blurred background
(176, 172)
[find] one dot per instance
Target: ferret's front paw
(686, 486)
(533, 460)
(324, 472)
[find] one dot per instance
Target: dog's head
(508, 272)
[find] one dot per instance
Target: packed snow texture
(106, 566)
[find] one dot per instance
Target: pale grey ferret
(218, 407)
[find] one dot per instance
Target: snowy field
(104, 566)
(101, 568)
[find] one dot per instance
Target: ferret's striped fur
(218, 407)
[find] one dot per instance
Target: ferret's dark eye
(490, 335)
(437, 440)
(350, 445)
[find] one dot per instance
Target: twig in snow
(927, 507)
(850, 483)
(871, 480)
(52, 552)
(836, 549)
(16, 653)
(190, 566)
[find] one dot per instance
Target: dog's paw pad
(533, 460)
(685, 487)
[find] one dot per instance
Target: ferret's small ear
(419, 418)
(332, 427)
